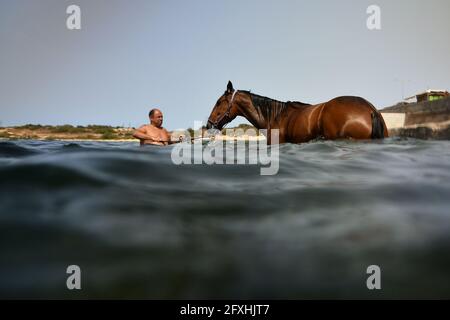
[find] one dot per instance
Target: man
(154, 133)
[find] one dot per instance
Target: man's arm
(169, 138)
(141, 134)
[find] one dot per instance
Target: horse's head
(225, 109)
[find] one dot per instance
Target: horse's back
(351, 100)
(339, 118)
(348, 117)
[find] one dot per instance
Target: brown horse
(340, 118)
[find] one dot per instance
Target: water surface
(141, 227)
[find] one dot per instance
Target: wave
(127, 213)
(10, 149)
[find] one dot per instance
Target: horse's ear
(230, 88)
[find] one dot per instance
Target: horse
(345, 117)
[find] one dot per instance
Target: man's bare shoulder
(145, 128)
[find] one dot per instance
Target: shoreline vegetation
(68, 132)
(426, 131)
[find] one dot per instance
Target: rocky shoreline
(424, 132)
(67, 132)
(425, 120)
(92, 133)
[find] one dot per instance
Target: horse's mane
(270, 108)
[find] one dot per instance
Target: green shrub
(128, 135)
(109, 136)
(67, 128)
(30, 126)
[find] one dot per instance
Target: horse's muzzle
(210, 125)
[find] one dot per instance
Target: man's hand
(174, 140)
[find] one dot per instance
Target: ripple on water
(146, 228)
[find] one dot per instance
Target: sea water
(139, 226)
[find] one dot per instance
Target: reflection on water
(141, 227)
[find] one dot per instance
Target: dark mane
(270, 108)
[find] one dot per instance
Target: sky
(131, 56)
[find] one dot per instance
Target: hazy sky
(132, 55)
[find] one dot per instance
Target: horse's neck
(271, 122)
(253, 116)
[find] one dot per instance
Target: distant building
(430, 107)
(429, 95)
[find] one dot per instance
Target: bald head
(156, 117)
